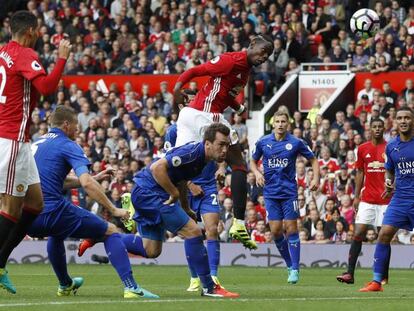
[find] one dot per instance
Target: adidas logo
(368, 155)
(239, 76)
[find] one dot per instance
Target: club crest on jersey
(215, 60)
(20, 188)
(176, 161)
(36, 66)
(288, 146)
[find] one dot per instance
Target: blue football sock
(381, 257)
(57, 257)
(294, 249)
(213, 251)
(134, 245)
(191, 267)
(282, 246)
(198, 258)
(118, 256)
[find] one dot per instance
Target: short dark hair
(376, 120)
(213, 129)
(22, 21)
(265, 41)
(62, 114)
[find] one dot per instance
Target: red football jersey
(18, 67)
(371, 159)
(331, 164)
(258, 237)
(229, 74)
(301, 181)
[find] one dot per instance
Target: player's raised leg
(239, 195)
(117, 246)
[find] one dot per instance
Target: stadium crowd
(125, 130)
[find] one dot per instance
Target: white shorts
(370, 214)
(192, 123)
(18, 168)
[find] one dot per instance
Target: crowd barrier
(232, 254)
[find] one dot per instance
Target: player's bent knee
(386, 234)
(152, 248)
(277, 233)
(190, 230)
(153, 252)
(212, 232)
(33, 199)
(291, 229)
(111, 229)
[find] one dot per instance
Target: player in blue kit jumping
(399, 180)
(56, 154)
(279, 151)
(155, 194)
(203, 201)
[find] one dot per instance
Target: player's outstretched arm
(97, 193)
(72, 182)
(46, 85)
(160, 174)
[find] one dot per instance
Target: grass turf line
(260, 288)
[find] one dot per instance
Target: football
(365, 23)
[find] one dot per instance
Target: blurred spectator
(258, 234)
(371, 236)
(252, 189)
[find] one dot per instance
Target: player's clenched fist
(64, 48)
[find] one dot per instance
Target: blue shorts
(68, 220)
(153, 217)
(400, 214)
(204, 204)
(281, 209)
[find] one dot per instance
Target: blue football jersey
(279, 163)
(400, 160)
(207, 179)
(55, 155)
(184, 163)
(170, 136)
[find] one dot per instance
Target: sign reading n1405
(322, 82)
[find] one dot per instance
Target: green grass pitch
(261, 289)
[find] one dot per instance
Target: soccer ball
(365, 23)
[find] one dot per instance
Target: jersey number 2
(214, 197)
(2, 84)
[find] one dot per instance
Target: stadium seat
(259, 88)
